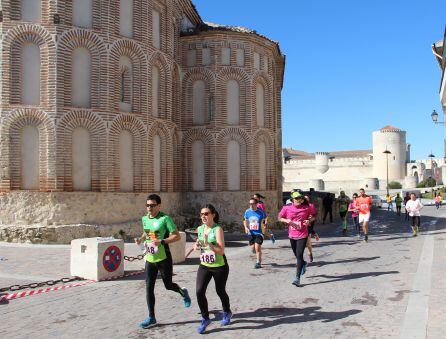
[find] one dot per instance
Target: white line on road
(416, 317)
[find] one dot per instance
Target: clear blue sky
(353, 66)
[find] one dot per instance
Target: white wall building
(351, 170)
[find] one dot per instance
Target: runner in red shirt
(363, 204)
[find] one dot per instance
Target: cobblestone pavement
(391, 286)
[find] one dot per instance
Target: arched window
(81, 157)
(198, 168)
(126, 18)
(233, 102)
(81, 77)
(83, 13)
(233, 165)
(126, 82)
(31, 10)
(30, 74)
(157, 163)
(126, 161)
(262, 165)
(198, 102)
(30, 158)
(260, 104)
(155, 91)
(156, 29)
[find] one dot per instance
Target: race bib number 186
(207, 257)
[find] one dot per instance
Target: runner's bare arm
(174, 236)
(245, 225)
(141, 239)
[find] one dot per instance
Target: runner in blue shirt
(254, 223)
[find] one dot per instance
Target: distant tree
(395, 184)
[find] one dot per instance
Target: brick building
(105, 101)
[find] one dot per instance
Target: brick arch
(75, 38)
(140, 163)
(191, 76)
(263, 135)
(135, 53)
(164, 100)
(208, 139)
(176, 159)
(13, 42)
(226, 74)
(66, 15)
(222, 139)
(262, 77)
(163, 131)
(10, 160)
(94, 124)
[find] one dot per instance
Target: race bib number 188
(151, 248)
(207, 257)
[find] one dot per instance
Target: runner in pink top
(355, 215)
(297, 217)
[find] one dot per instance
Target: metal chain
(34, 285)
(139, 257)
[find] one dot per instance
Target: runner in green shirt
(398, 203)
(159, 231)
(343, 202)
(211, 244)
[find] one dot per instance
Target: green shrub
(395, 184)
(421, 184)
(430, 182)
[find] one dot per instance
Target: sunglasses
(151, 205)
(205, 214)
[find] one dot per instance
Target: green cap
(296, 195)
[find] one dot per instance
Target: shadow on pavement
(334, 278)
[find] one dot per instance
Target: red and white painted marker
(18, 295)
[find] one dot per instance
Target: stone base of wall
(59, 217)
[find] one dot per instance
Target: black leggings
(166, 269)
(357, 226)
(415, 220)
(298, 247)
(204, 276)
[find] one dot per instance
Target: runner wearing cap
(297, 217)
(254, 224)
(363, 204)
(159, 231)
(261, 205)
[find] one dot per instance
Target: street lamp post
(432, 165)
(387, 152)
(434, 116)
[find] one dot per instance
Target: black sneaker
(366, 238)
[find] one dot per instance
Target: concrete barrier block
(178, 249)
(97, 258)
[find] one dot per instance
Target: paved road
(392, 286)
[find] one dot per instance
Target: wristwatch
(163, 242)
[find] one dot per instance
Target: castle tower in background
(394, 140)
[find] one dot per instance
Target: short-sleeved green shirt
(157, 228)
(398, 201)
(212, 238)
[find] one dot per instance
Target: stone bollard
(178, 249)
(97, 258)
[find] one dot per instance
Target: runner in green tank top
(211, 245)
(159, 231)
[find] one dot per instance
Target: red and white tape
(18, 295)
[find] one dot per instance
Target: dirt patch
(366, 299)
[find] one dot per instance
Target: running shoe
(311, 257)
(204, 323)
(186, 297)
(366, 238)
(148, 322)
(304, 268)
(414, 234)
(257, 265)
(296, 281)
(344, 232)
(359, 237)
(273, 239)
(316, 236)
(226, 318)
